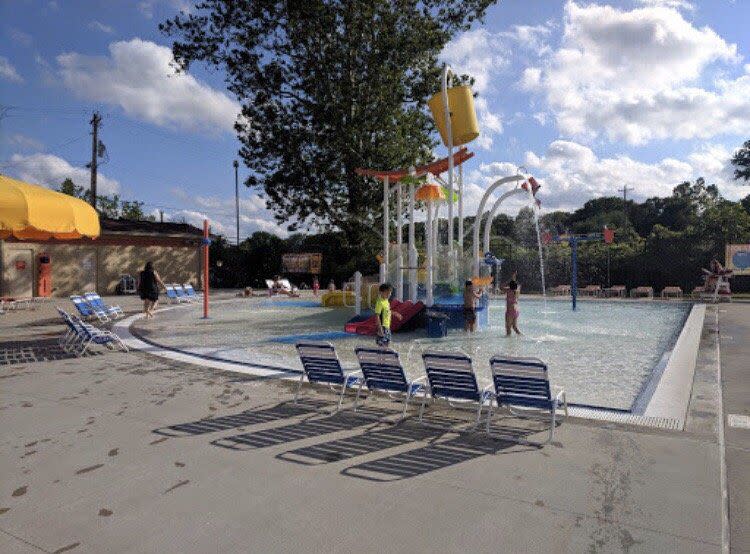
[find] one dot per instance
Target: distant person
(315, 286)
(511, 306)
(383, 312)
(471, 295)
(148, 289)
(331, 286)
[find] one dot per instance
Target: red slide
(369, 326)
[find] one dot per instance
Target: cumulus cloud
(8, 72)
(138, 76)
(19, 37)
(22, 142)
(571, 173)
(51, 171)
(674, 4)
(146, 7)
(637, 76)
(220, 211)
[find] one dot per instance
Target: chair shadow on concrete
(283, 410)
(309, 428)
(30, 351)
(400, 434)
(439, 455)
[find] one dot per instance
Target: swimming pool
(606, 354)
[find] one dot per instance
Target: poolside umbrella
(31, 212)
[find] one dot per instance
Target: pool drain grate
(627, 418)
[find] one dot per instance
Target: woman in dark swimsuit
(148, 287)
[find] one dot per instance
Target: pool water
(602, 355)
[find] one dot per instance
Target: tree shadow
(340, 421)
(30, 351)
(283, 410)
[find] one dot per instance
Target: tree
(741, 162)
(326, 86)
(107, 206)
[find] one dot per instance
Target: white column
(357, 292)
(386, 243)
(413, 256)
(449, 131)
(400, 242)
(428, 235)
(461, 209)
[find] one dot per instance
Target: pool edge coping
(662, 412)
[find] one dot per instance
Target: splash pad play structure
(435, 282)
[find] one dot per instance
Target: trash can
(437, 324)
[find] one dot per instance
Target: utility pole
(236, 165)
(161, 216)
(95, 121)
(624, 190)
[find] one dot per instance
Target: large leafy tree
(741, 162)
(326, 86)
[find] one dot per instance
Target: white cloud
(20, 141)
(138, 76)
(50, 171)
(571, 173)
(638, 75)
(674, 4)
(8, 72)
(220, 211)
(146, 7)
(99, 26)
(20, 37)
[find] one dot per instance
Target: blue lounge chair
(88, 311)
(189, 290)
(450, 377)
(173, 297)
(95, 301)
(383, 371)
(181, 294)
(81, 335)
(321, 365)
(524, 383)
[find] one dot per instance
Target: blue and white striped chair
(524, 383)
(88, 311)
(321, 365)
(181, 294)
(451, 377)
(382, 371)
(189, 290)
(172, 295)
(95, 301)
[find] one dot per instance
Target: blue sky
(588, 96)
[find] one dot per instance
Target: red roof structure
(436, 168)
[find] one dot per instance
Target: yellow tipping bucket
(464, 124)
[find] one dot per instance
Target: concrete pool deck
(132, 453)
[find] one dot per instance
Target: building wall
(84, 267)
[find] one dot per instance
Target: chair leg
(489, 418)
(421, 408)
(299, 387)
(406, 405)
(341, 396)
(552, 427)
(356, 398)
(479, 414)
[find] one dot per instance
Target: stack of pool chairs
(517, 383)
(79, 336)
(178, 294)
(91, 305)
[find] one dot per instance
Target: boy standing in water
(470, 306)
(383, 311)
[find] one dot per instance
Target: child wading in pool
(383, 311)
(511, 306)
(470, 306)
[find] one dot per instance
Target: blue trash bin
(437, 324)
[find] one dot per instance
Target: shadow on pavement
(438, 455)
(341, 421)
(372, 441)
(24, 352)
(283, 410)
